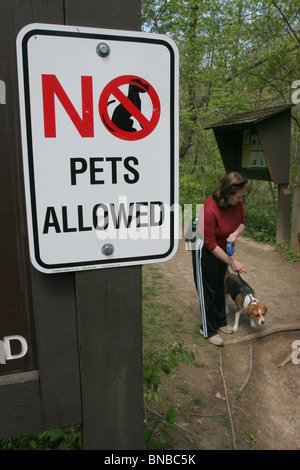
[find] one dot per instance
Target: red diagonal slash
(134, 111)
(112, 88)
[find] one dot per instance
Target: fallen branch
(249, 372)
(227, 403)
(175, 424)
(266, 332)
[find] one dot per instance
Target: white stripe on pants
(198, 255)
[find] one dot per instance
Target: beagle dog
(243, 296)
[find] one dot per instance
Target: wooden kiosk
(257, 144)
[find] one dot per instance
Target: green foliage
(190, 190)
(235, 55)
(165, 363)
(261, 224)
(155, 429)
(68, 438)
(250, 437)
(285, 250)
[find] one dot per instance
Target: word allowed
(142, 214)
(5, 348)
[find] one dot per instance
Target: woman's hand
(233, 236)
(236, 266)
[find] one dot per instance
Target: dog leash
(252, 298)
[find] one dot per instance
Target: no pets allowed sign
(99, 122)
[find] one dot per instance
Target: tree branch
(287, 22)
(266, 332)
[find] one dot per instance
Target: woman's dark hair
(229, 186)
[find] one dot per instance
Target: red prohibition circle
(112, 88)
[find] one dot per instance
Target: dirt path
(266, 415)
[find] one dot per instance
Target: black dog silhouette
(121, 117)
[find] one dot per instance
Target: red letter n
(51, 87)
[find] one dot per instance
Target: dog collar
(248, 300)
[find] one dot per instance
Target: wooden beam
(295, 235)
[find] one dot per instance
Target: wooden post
(295, 235)
(109, 305)
(110, 341)
(283, 214)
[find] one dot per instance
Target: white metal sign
(99, 122)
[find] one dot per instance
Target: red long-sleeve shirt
(219, 224)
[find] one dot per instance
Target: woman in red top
(224, 220)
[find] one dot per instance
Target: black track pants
(209, 273)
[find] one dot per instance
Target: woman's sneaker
(216, 339)
(226, 329)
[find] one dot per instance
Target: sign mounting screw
(103, 49)
(107, 249)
